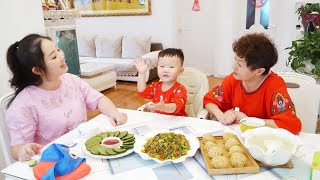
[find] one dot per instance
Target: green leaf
(317, 68)
(314, 61)
(305, 50)
(296, 63)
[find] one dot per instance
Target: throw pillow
(133, 47)
(86, 46)
(151, 58)
(108, 47)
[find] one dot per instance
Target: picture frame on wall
(66, 39)
(94, 8)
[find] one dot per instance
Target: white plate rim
(194, 144)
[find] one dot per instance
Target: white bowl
(271, 146)
(251, 123)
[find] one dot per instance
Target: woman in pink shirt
(48, 101)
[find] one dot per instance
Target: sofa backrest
(87, 46)
(156, 46)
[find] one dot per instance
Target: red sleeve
(220, 95)
(283, 111)
(148, 93)
(180, 98)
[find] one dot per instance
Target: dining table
(132, 166)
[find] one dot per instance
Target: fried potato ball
(235, 148)
(231, 142)
(215, 151)
(208, 137)
(228, 135)
(238, 160)
(219, 162)
(208, 145)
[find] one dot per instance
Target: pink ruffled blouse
(41, 116)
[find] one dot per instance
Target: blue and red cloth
(58, 163)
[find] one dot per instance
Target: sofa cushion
(108, 46)
(86, 46)
(125, 65)
(121, 66)
(133, 47)
(84, 59)
(94, 68)
(151, 58)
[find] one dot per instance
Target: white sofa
(120, 52)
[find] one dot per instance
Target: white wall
(283, 21)
(226, 21)
(17, 18)
(206, 36)
(283, 27)
(160, 24)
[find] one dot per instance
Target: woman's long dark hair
(21, 58)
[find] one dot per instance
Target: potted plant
(309, 11)
(304, 54)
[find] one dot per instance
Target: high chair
(197, 86)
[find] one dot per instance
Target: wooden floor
(125, 95)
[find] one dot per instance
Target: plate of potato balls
(226, 155)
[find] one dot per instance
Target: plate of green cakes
(109, 145)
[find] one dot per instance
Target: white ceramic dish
(271, 146)
(251, 123)
(140, 142)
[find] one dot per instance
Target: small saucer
(117, 145)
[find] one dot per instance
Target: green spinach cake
(110, 143)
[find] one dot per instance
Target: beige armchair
(197, 86)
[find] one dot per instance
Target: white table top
(133, 167)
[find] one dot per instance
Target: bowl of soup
(251, 123)
(271, 146)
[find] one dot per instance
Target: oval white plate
(129, 151)
(140, 142)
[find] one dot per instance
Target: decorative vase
(310, 26)
(307, 17)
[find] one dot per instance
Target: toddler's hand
(120, 118)
(28, 150)
(141, 65)
(150, 106)
(228, 117)
(160, 105)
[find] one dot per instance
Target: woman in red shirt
(253, 88)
